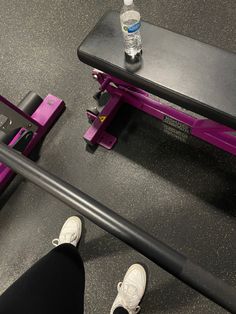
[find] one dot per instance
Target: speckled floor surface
(182, 192)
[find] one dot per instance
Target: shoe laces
(129, 296)
(67, 238)
(55, 242)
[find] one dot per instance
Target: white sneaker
(70, 232)
(131, 290)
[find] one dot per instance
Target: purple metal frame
(44, 117)
(210, 131)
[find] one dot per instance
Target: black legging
(55, 284)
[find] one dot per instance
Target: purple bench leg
(97, 134)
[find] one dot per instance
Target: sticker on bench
(176, 124)
(102, 118)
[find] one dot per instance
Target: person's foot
(131, 290)
(70, 232)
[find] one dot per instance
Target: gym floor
(179, 189)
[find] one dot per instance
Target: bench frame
(121, 92)
(39, 124)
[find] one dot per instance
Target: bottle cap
(128, 2)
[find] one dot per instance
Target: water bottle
(130, 23)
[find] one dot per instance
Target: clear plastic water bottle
(130, 23)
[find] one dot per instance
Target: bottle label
(133, 28)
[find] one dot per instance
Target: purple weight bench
(193, 75)
(24, 126)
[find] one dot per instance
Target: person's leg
(55, 284)
(130, 291)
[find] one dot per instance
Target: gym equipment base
(23, 131)
(120, 93)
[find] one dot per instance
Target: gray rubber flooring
(181, 191)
